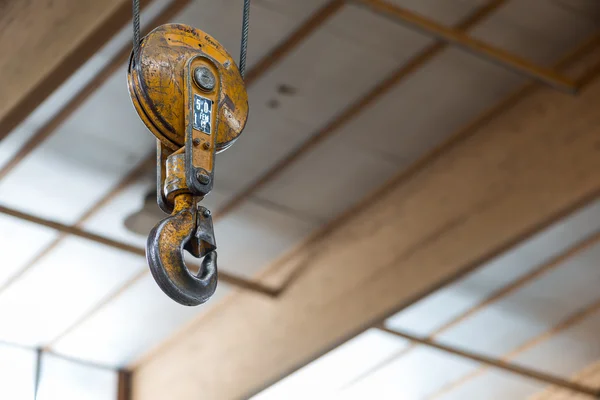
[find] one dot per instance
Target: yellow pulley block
(158, 81)
(189, 92)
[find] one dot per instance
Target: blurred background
(354, 106)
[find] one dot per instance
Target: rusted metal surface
(157, 84)
(165, 254)
(174, 183)
(190, 94)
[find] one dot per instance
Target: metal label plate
(202, 114)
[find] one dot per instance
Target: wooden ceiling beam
(123, 385)
(537, 160)
(44, 43)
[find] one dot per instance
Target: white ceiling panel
(20, 242)
(439, 99)
(322, 378)
(253, 235)
(280, 120)
(88, 155)
(441, 307)
(56, 101)
(563, 353)
(513, 29)
(530, 310)
(17, 369)
(413, 377)
(298, 10)
(267, 138)
(136, 321)
(271, 21)
(325, 73)
(109, 220)
(368, 29)
(67, 380)
(568, 351)
(61, 288)
(495, 385)
(443, 11)
(334, 176)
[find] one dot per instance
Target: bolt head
(196, 142)
(206, 213)
(206, 146)
(204, 78)
(202, 178)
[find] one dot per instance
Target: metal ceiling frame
(449, 35)
(495, 363)
(544, 268)
(561, 326)
(38, 373)
(123, 376)
(58, 355)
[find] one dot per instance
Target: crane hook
(189, 227)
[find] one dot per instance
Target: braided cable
(136, 30)
(245, 32)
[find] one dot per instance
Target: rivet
(204, 78)
(202, 178)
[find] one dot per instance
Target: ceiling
(545, 314)
(63, 292)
